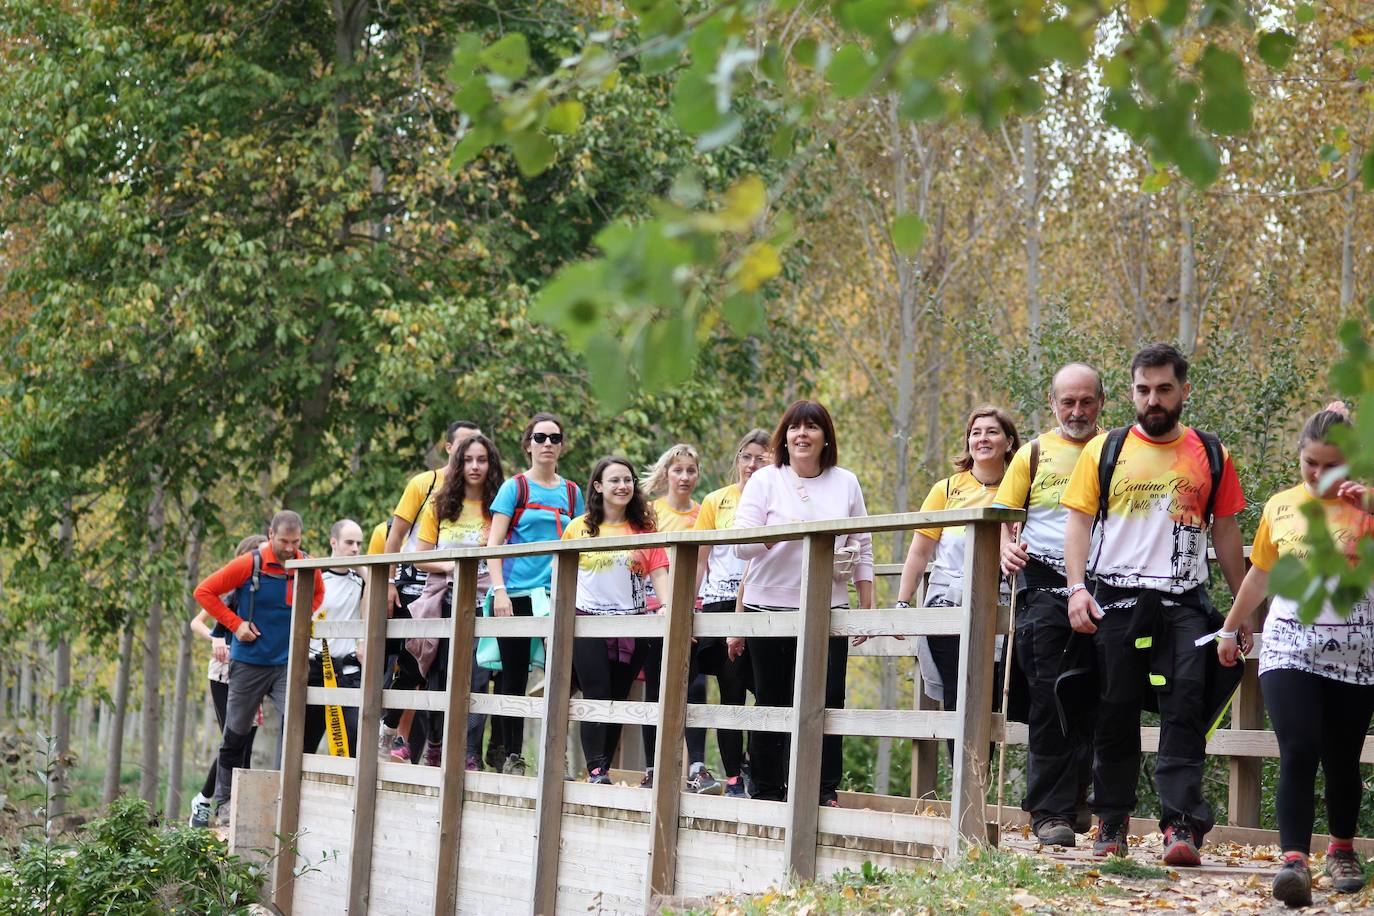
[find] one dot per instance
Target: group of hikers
(1108, 578)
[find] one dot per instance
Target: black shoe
(1056, 831)
(1111, 837)
(1293, 883)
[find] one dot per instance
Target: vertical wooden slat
(925, 755)
(981, 575)
(369, 723)
(808, 706)
(548, 804)
(455, 738)
(1247, 712)
(293, 739)
(672, 712)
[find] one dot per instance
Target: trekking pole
(1006, 692)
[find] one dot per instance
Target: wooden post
(925, 755)
(293, 739)
(981, 574)
(369, 722)
(808, 706)
(672, 716)
(1247, 712)
(548, 801)
(455, 737)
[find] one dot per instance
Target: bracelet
(498, 588)
(903, 604)
(1227, 634)
(1076, 588)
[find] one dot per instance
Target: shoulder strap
(1216, 461)
(522, 496)
(1034, 466)
(949, 482)
(254, 581)
(1106, 467)
(433, 479)
(572, 497)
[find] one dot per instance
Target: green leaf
(1197, 160)
(1367, 170)
(669, 354)
(509, 56)
(473, 142)
(1062, 41)
(571, 300)
(743, 312)
(1155, 182)
(466, 54)
(473, 97)
(1305, 13)
(694, 104)
(566, 117)
(908, 233)
(1226, 100)
(608, 373)
(1328, 153)
(1364, 73)
(873, 18)
(804, 52)
(850, 71)
(533, 152)
(1276, 48)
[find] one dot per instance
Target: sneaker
(702, 782)
(734, 787)
(1180, 847)
(201, 810)
(648, 781)
(747, 776)
(1343, 866)
(496, 757)
(221, 818)
(400, 751)
(514, 765)
(598, 777)
(434, 754)
(385, 738)
(830, 803)
(1111, 837)
(473, 764)
(1056, 831)
(1293, 883)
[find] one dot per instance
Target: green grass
(1123, 867)
(987, 881)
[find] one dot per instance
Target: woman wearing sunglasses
(535, 505)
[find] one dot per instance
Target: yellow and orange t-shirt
(1338, 647)
(377, 543)
(670, 519)
(959, 491)
(724, 570)
(613, 581)
(469, 529)
(1043, 531)
(1154, 535)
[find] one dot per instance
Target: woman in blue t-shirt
(533, 506)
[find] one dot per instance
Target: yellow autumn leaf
(743, 203)
(759, 265)
(1146, 9)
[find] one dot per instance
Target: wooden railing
(802, 821)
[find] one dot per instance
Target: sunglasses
(541, 438)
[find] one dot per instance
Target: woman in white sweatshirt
(803, 484)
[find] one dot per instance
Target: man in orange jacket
(261, 637)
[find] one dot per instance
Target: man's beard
(1160, 422)
(1079, 429)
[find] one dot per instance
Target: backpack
(522, 502)
(1034, 466)
(1111, 452)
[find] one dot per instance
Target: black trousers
(477, 722)
(696, 693)
(1124, 674)
(710, 656)
(944, 651)
(508, 732)
(315, 725)
(219, 697)
(603, 679)
(1317, 720)
(1058, 767)
(774, 660)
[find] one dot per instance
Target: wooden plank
(902, 621)
(1243, 782)
(892, 723)
(1224, 741)
(885, 825)
(329, 764)
(407, 774)
(744, 625)
(925, 755)
(981, 575)
(808, 706)
(453, 766)
(533, 627)
(391, 699)
(253, 815)
(632, 626)
(548, 801)
(672, 715)
(884, 647)
(626, 712)
(768, 534)
(729, 810)
(494, 704)
(293, 740)
(488, 783)
(615, 797)
(369, 724)
(740, 718)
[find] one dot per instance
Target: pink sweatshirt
(773, 496)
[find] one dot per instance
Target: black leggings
(603, 679)
(219, 696)
(1317, 720)
(509, 731)
(696, 693)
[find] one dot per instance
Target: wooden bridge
(368, 836)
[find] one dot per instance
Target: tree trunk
(85, 716)
(1187, 279)
(61, 706)
(25, 685)
(1030, 203)
(118, 716)
(172, 806)
(1352, 174)
(152, 652)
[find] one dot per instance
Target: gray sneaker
(702, 782)
(514, 765)
(1055, 831)
(201, 811)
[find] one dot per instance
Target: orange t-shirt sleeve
(1264, 553)
(652, 558)
(1230, 498)
(319, 591)
(225, 579)
(1083, 489)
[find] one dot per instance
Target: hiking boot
(400, 751)
(598, 777)
(473, 764)
(434, 754)
(1111, 837)
(385, 738)
(648, 781)
(496, 758)
(201, 810)
(734, 787)
(748, 778)
(1343, 866)
(1180, 847)
(702, 782)
(1293, 883)
(1056, 831)
(514, 765)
